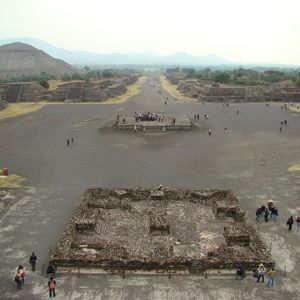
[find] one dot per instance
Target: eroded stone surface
(181, 229)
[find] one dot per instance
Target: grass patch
(294, 168)
(132, 90)
(54, 84)
(17, 109)
(173, 90)
(11, 181)
(295, 109)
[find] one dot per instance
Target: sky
(242, 31)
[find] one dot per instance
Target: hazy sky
(259, 31)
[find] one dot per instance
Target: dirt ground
(252, 158)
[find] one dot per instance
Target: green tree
(222, 77)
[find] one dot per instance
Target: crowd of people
(266, 212)
(149, 116)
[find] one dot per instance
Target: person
(32, 261)
(261, 273)
(166, 102)
(19, 279)
(240, 272)
(226, 129)
(266, 215)
(285, 122)
(72, 141)
(274, 213)
(280, 129)
(290, 223)
(271, 275)
(198, 117)
(237, 112)
(298, 222)
(52, 287)
(135, 128)
(258, 214)
(68, 142)
(209, 132)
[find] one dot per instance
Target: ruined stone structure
(210, 91)
(167, 124)
(164, 230)
(23, 91)
(79, 91)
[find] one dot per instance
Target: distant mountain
(89, 58)
(17, 59)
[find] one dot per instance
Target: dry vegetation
(11, 181)
(173, 91)
(132, 90)
(17, 109)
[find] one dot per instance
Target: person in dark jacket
(32, 261)
(290, 223)
(52, 286)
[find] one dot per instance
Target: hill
(90, 58)
(18, 58)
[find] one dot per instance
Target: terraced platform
(164, 230)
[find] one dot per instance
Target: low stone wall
(183, 230)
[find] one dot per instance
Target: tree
(222, 77)
(44, 83)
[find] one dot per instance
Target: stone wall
(159, 230)
(209, 91)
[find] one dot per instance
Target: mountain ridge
(90, 58)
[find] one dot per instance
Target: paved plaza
(251, 157)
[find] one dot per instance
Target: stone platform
(164, 230)
(181, 123)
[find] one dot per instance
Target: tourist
(52, 287)
(174, 121)
(240, 272)
(19, 279)
(32, 261)
(266, 215)
(298, 222)
(290, 223)
(135, 128)
(198, 116)
(124, 120)
(258, 214)
(209, 132)
(237, 112)
(72, 141)
(271, 275)
(285, 122)
(280, 129)
(225, 129)
(274, 213)
(195, 116)
(261, 273)
(68, 142)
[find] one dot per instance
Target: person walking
(72, 141)
(298, 222)
(209, 132)
(261, 273)
(68, 142)
(271, 275)
(52, 287)
(290, 223)
(19, 279)
(32, 261)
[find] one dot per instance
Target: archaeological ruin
(158, 230)
(74, 91)
(158, 122)
(216, 92)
